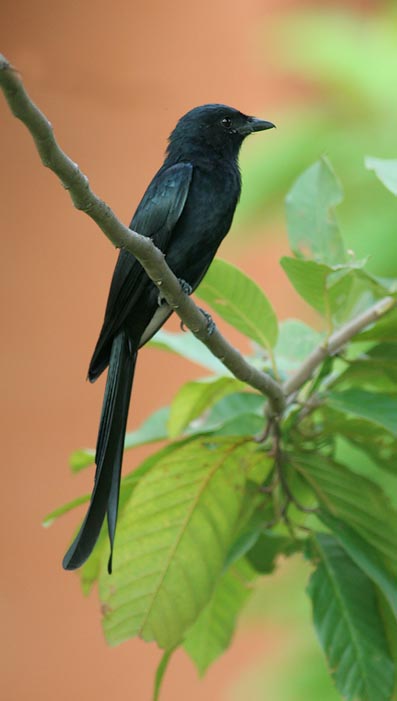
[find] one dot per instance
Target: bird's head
(215, 127)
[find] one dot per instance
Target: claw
(161, 300)
(211, 326)
(186, 288)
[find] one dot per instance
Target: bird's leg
(161, 301)
(185, 287)
(211, 326)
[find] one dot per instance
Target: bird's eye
(226, 122)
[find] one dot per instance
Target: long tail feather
(109, 454)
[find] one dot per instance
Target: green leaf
(309, 280)
(377, 443)
(98, 559)
(233, 406)
(337, 292)
(390, 628)
(385, 169)
(353, 499)
(295, 342)
(240, 302)
(267, 548)
(152, 430)
(380, 409)
(237, 414)
(245, 425)
(194, 397)
(374, 370)
(384, 330)
(348, 624)
(257, 509)
(211, 634)
(312, 228)
(243, 543)
(188, 346)
(172, 540)
(81, 458)
(365, 557)
(160, 672)
(49, 519)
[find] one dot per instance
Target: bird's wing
(156, 216)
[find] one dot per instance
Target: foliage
(203, 518)
(345, 63)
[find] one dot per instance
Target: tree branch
(150, 257)
(153, 261)
(335, 342)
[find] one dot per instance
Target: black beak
(260, 124)
(254, 124)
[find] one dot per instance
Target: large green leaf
(390, 628)
(89, 572)
(377, 443)
(98, 560)
(212, 632)
(348, 624)
(309, 279)
(337, 292)
(194, 397)
(245, 425)
(173, 538)
(188, 346)
(353, 499)
(312, 228)
(365, 557)
(380, 409)
(153, 429)
(234, 406)
(384, 330)
(375, 370)
(240, 301)
(385, 169)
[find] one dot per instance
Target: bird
(187, 210)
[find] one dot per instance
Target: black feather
(187, 210)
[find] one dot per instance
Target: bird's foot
(211, 325)
(161, 301)
(185, 287)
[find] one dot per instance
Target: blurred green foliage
(294, 670)
(207, 516)
(348, 66)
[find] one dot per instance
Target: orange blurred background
(112, 78)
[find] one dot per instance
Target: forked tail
(109, 455)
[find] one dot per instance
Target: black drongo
(187, 210)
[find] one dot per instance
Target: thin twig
(336, 341)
